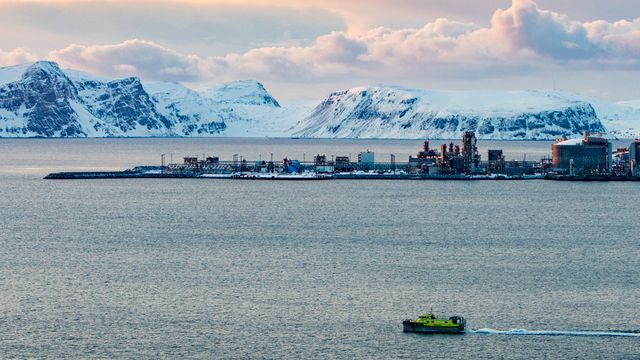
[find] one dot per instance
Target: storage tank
(588, 155)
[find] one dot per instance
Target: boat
(428, 323)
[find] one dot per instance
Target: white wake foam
(552, 332)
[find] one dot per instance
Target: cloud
(203, 28)
(521, 40)
(146, 59)
(522, 36)
(621, 37)
(331, 55)
(548, 33)
(16, 56)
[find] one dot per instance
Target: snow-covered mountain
(394, 112)
(246, 92)
(621, 119)
(239, 108)
(41, 100)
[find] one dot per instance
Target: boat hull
(419, 328)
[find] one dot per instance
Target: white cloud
(621, 37)
(548, 33)
(16, 56)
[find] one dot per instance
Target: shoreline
(129, 174)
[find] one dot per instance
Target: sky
(309, 48)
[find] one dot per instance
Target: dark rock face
(43, 98)
(52, 105)
(44, 101)
(123, 104)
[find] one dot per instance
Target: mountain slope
(621, 119)
(239, 108)
(394, 112)
(123, 107)
(40, 99)
(246, 92)
(42, 102)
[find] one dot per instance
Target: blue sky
(307, 48)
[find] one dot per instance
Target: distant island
(42, 100)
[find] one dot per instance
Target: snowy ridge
(621, 119)
(247, 92)
(240, 108)
(394, 112)
(12, 73)
(635, 104)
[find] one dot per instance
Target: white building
(366, 158)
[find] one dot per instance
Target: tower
(470, 156)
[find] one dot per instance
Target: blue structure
(291, 166)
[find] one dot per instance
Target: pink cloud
(521, 38)
(16, 56)
(132, 57)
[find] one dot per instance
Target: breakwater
(157, 174)
(112, 175)
(154, 173)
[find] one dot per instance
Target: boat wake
(554, 332)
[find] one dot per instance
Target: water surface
(144, 268)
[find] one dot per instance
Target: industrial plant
(590, 158)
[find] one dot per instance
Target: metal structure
(470, 157)
(495, 162)
(634, 158)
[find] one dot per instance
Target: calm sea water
(233, 269)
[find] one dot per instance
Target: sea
(223, 269)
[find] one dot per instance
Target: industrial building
(426, 162)
(495, 161)
(470, 157)
(212, 160)
(322, 165)
(366, 157)
(191, 160)
(634, 158)
(589, 155)
(343, 164)
(366, 160)
(451, 159)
